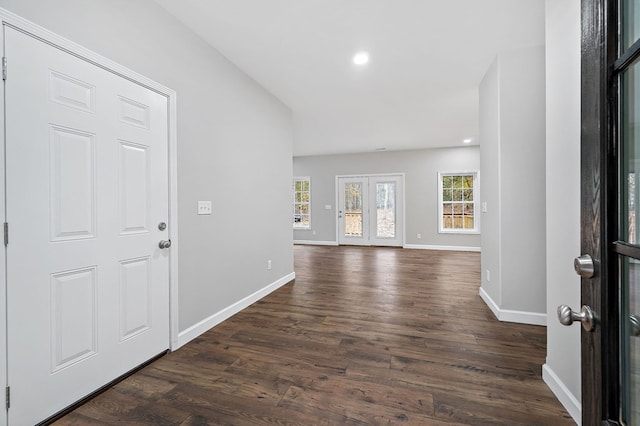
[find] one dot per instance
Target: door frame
(599, 207)
(23, 25)
(374, 175)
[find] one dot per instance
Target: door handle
(584, 266)
(586, 316)
(164, 244)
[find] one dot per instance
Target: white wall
(522, 182)
(234, 146)
(512, 137)
(562, 369)
(490, 162)
(421, 169)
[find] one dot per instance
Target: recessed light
(361, 58)
(466, 141)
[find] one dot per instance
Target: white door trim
(23, 25)
(368, 175)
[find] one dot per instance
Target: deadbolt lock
(584, 266)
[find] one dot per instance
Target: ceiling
(419, 89)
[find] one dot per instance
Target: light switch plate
(204, 207)
(327, 206)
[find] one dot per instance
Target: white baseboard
(564, 395)
(316, 243)
(490, 303)
(446, 248)
(206, 324)
(521, 317)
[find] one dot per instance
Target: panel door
(87, 186)
(386, 211)
(353, 211)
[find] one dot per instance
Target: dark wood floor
(364, 336)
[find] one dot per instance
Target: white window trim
(476, 202)
(293, 200)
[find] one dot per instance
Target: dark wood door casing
(599, 208)
(590, 182)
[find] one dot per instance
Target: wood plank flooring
(364, 336)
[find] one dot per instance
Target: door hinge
(8, 396)
(6, 234)
(4, 68)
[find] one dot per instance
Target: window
(458, 202)
(301, 202)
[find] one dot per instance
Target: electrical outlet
(484, 207)
(419, 236)
(488, 275)
(313, 232)
(204, 207)
(268, 265)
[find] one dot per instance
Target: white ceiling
(420, 88)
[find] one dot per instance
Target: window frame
(476, 203)
(294, 203)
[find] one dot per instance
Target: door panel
(133, 168)
(87, 284)
(353, 216)
(135, 287)
(74, 314)
(73, 184)
(386, 211)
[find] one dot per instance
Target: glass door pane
(629, 23)
(386, 210)
(630, 340)
(630, 162)
(353, 209)
(629, 290)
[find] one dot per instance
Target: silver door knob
(634, 325)
(584, 266)
(164, 244)
(586, 316)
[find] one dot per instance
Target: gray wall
(490, 161)
(563, 196)
(512, 136)
(234, 146)
(421, 169)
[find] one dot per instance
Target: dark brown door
(610, 194)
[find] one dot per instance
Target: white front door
(87, 187)
(370, 210)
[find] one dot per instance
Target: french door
(610, 193)
(86, 207)
(370, 210)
